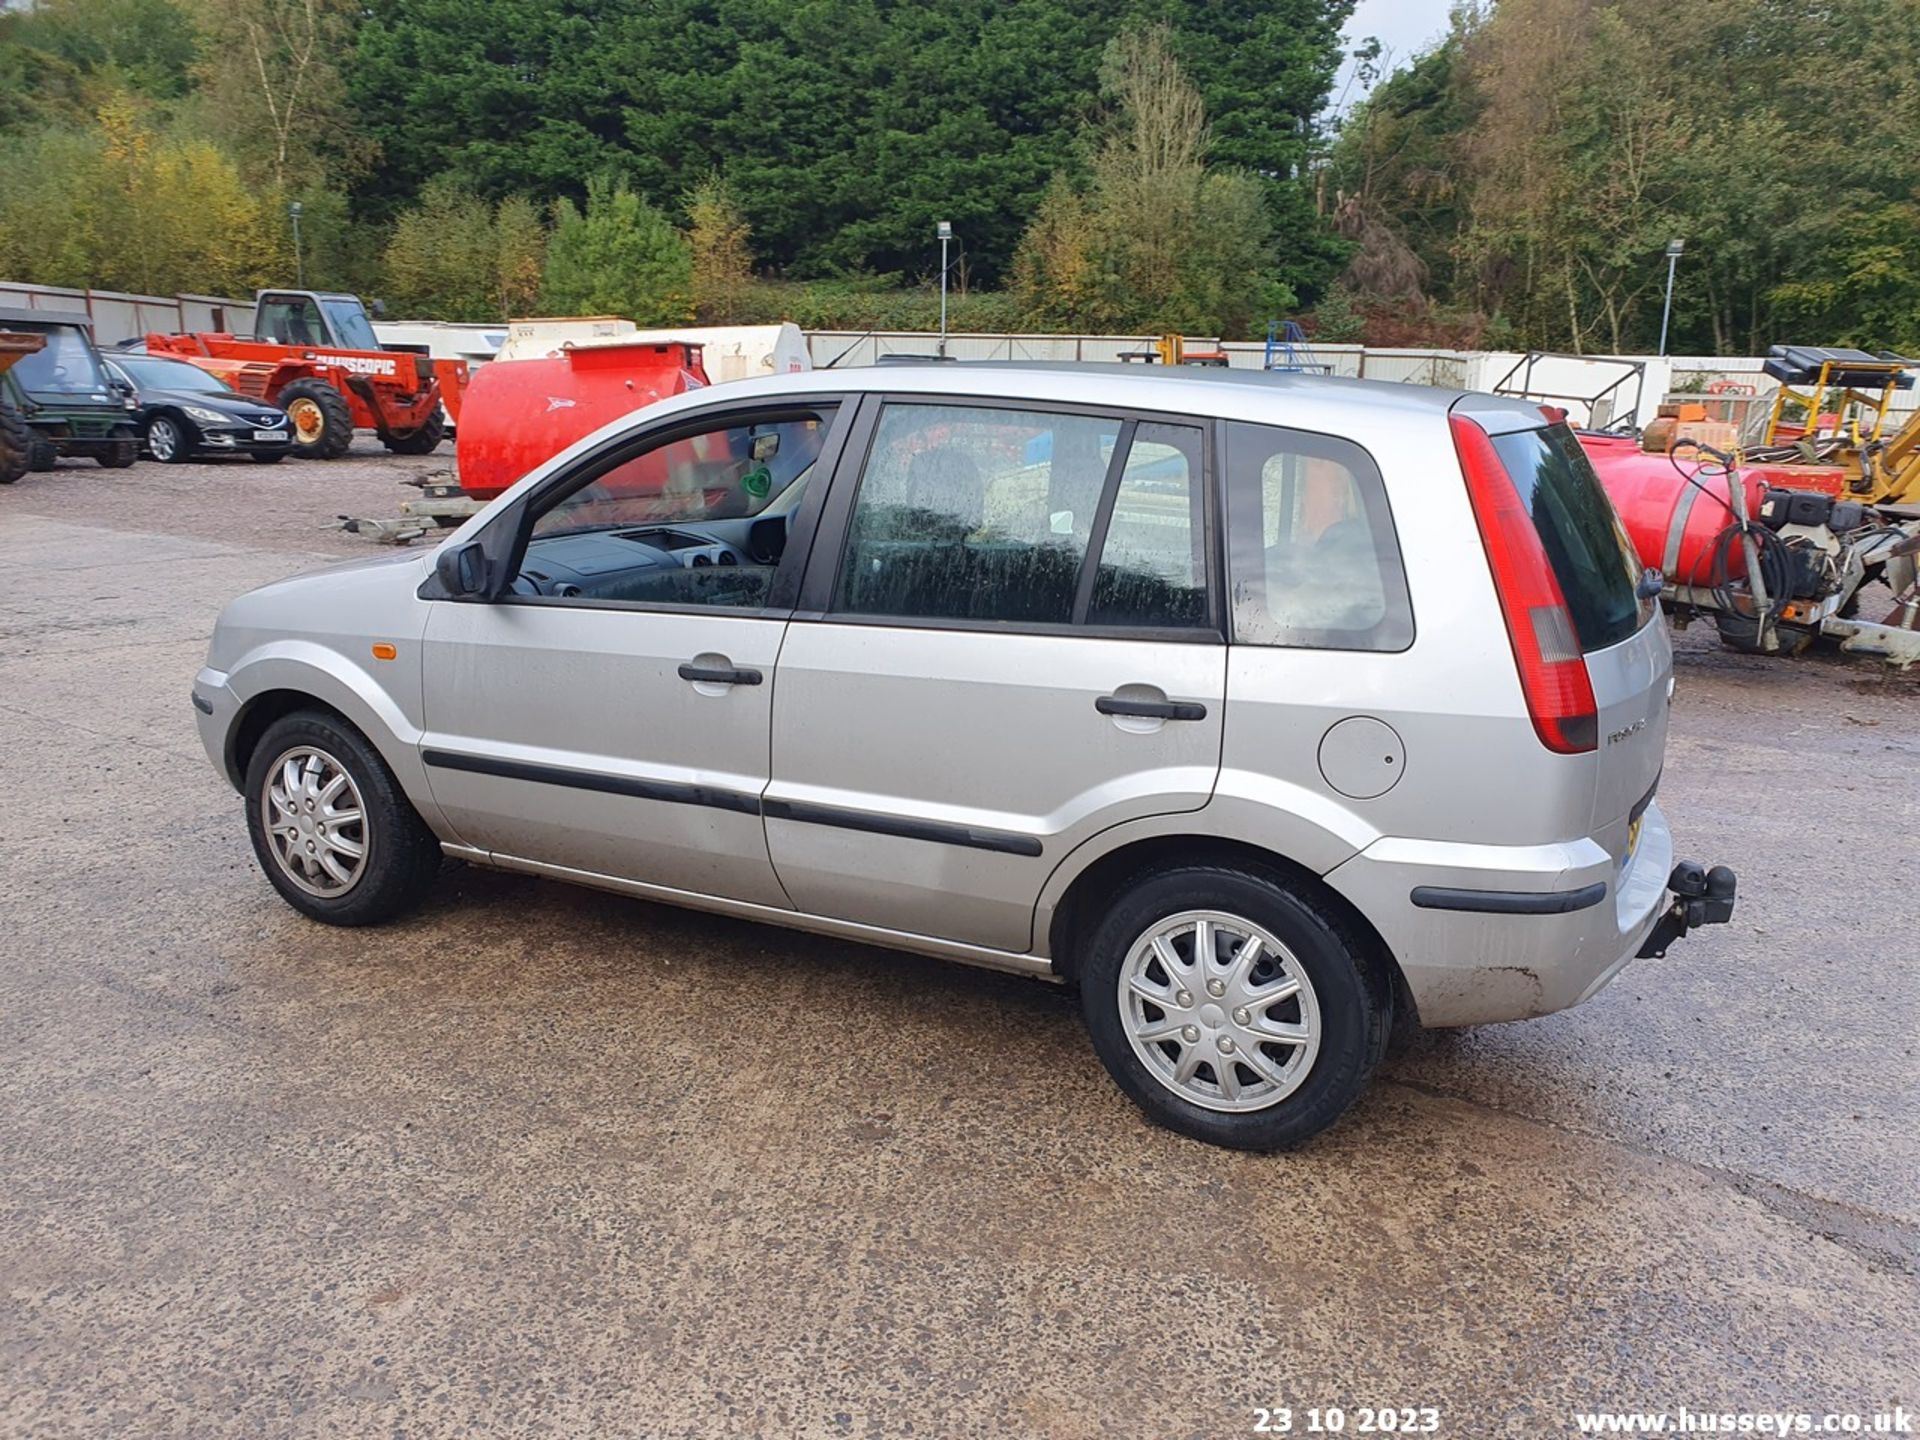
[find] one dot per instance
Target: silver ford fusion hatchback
(1259, 709)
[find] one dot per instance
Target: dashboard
(718, 562)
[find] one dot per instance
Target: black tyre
(42, 455)
(16, 445)
(330, 825)
(121, 452)
(419, 442)
(1252, 1049)
(322, 419)
(268, 457)
(170, 440)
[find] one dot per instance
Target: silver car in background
(1259, 709)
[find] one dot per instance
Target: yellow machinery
(1832, 408)
(1174, 350)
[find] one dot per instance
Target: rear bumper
(1497, 932)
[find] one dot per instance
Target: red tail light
(1553, 672)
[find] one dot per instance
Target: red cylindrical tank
(1647, 490)
(520, 413)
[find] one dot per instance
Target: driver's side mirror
(462, 569)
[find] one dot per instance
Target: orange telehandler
(315, 355)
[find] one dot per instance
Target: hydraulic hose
(1769, 551)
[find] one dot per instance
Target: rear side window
(1153, 566)
(1588, 549)
(1313, 557)
(1008, 516)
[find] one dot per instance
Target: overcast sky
(1405, 28)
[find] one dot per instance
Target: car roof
(13, 315)
(1319, 402)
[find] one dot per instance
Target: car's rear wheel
(330, 825)
(168, 440)
(1233, 1006)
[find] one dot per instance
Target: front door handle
(719, 674)
(1151, 709)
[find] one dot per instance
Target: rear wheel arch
(1091, 892)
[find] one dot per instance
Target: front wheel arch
(1092, 892)
(260, 712)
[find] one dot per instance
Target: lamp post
(945, 232)
(299, 267)
(1674, 247)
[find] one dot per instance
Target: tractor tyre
(16, 445)
(42, 455)
(423, 441)
(120, 454)
(322, 420)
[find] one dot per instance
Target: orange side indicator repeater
(384, 651)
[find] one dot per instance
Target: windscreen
(66, 365)
(1591, 556)
(350, 324)
(153, 374)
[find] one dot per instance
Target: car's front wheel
(330, 825)
(1234, 1006)
(168, 440)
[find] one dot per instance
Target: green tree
(519, 256)
(1060, 273)
(621, 256)
(847, 129)
(1156, 241)
(720, 240)
(271, 89)
(90, 48)
(122, 205)
(455, 257)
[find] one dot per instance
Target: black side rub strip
(1509, 902)
(674, 793)
(669, 791)
(999, 841)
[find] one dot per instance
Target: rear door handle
(719, 674)
(1151, 709)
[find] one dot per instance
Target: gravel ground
(541, 1161)
(294, 505)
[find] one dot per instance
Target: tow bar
(1700, 897)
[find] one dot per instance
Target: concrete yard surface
(542, 1161)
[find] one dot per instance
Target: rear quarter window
(1592, 557)
(1312, 552)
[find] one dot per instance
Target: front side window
(1312, 552)
(293, 321)
(988, 514)
(701, 519)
